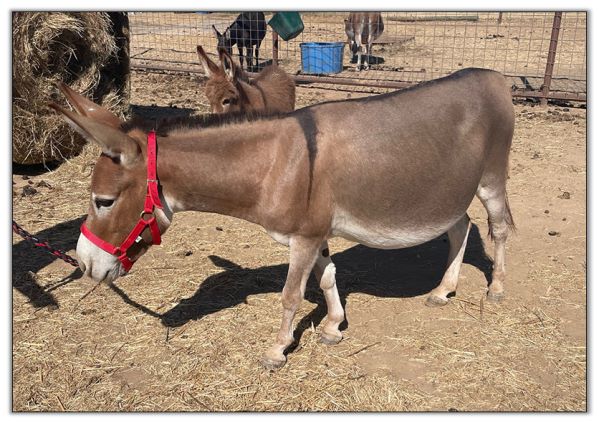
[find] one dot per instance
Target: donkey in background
(247, 31)
(230, 90)
(362, 29)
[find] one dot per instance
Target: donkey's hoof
(272, 363)
(495, 297)
(328, 339)
(434, 301)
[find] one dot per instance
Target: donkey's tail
(508, 215)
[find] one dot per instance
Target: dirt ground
(185, 330)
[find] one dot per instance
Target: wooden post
(499, 18)
(557, 20)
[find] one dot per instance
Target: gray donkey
(363, 29)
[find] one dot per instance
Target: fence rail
(543, 54)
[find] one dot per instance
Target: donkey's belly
(387, 236)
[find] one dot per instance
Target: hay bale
(89, 51)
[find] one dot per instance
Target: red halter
(152, 202)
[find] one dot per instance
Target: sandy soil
(185, 330)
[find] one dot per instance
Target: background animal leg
(369, 45)
(302, 258)
(458, 237)
(240, 49)
(257, 61)
(324, 271)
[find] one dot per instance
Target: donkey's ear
(88, 108)
(229, 67)
(210, 68)
(218, 34)
(114, 142)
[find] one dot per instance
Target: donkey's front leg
(303, 253)
(240, 49)
(257, 50)
(324, 270)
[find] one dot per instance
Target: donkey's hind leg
(324, 271)
(500, 220)
(458, 236)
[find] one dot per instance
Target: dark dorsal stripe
(166, 125)
(308, 125)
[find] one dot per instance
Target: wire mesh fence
(543, 54)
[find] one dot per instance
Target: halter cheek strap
(151, 203)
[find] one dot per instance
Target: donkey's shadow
(401, 273)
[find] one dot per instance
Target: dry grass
(185, 330)
(48, 47)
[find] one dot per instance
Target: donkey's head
(118, 187)
(224, 40)
(222, 87)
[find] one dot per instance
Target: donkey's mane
(166, 125)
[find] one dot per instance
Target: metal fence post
(275, 47)
(499, 18)
(557, 20)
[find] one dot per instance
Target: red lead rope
(152, 202)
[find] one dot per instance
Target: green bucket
(287, 24)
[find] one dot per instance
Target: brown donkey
(388, 171)
(229, 89)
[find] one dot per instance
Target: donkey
(362, 29)
(248, 30)
(230, 90)
(389, 171)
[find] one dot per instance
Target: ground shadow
(259, 66)
(384, 273)
(27, 260)
(160, 112)
(372, 60)
(34, 169)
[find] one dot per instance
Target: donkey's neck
(217, 170)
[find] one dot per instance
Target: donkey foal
(230, 90)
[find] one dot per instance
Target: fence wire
(414, 46)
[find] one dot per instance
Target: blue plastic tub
(322, 57)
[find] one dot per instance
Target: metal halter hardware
(152, 202)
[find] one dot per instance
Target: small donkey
(363, 29)
(229, 89)
(248, 30)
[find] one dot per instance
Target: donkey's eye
(103, 202)
(226, 101)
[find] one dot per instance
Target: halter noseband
(152, 202)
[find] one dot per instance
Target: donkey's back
(277, 89)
